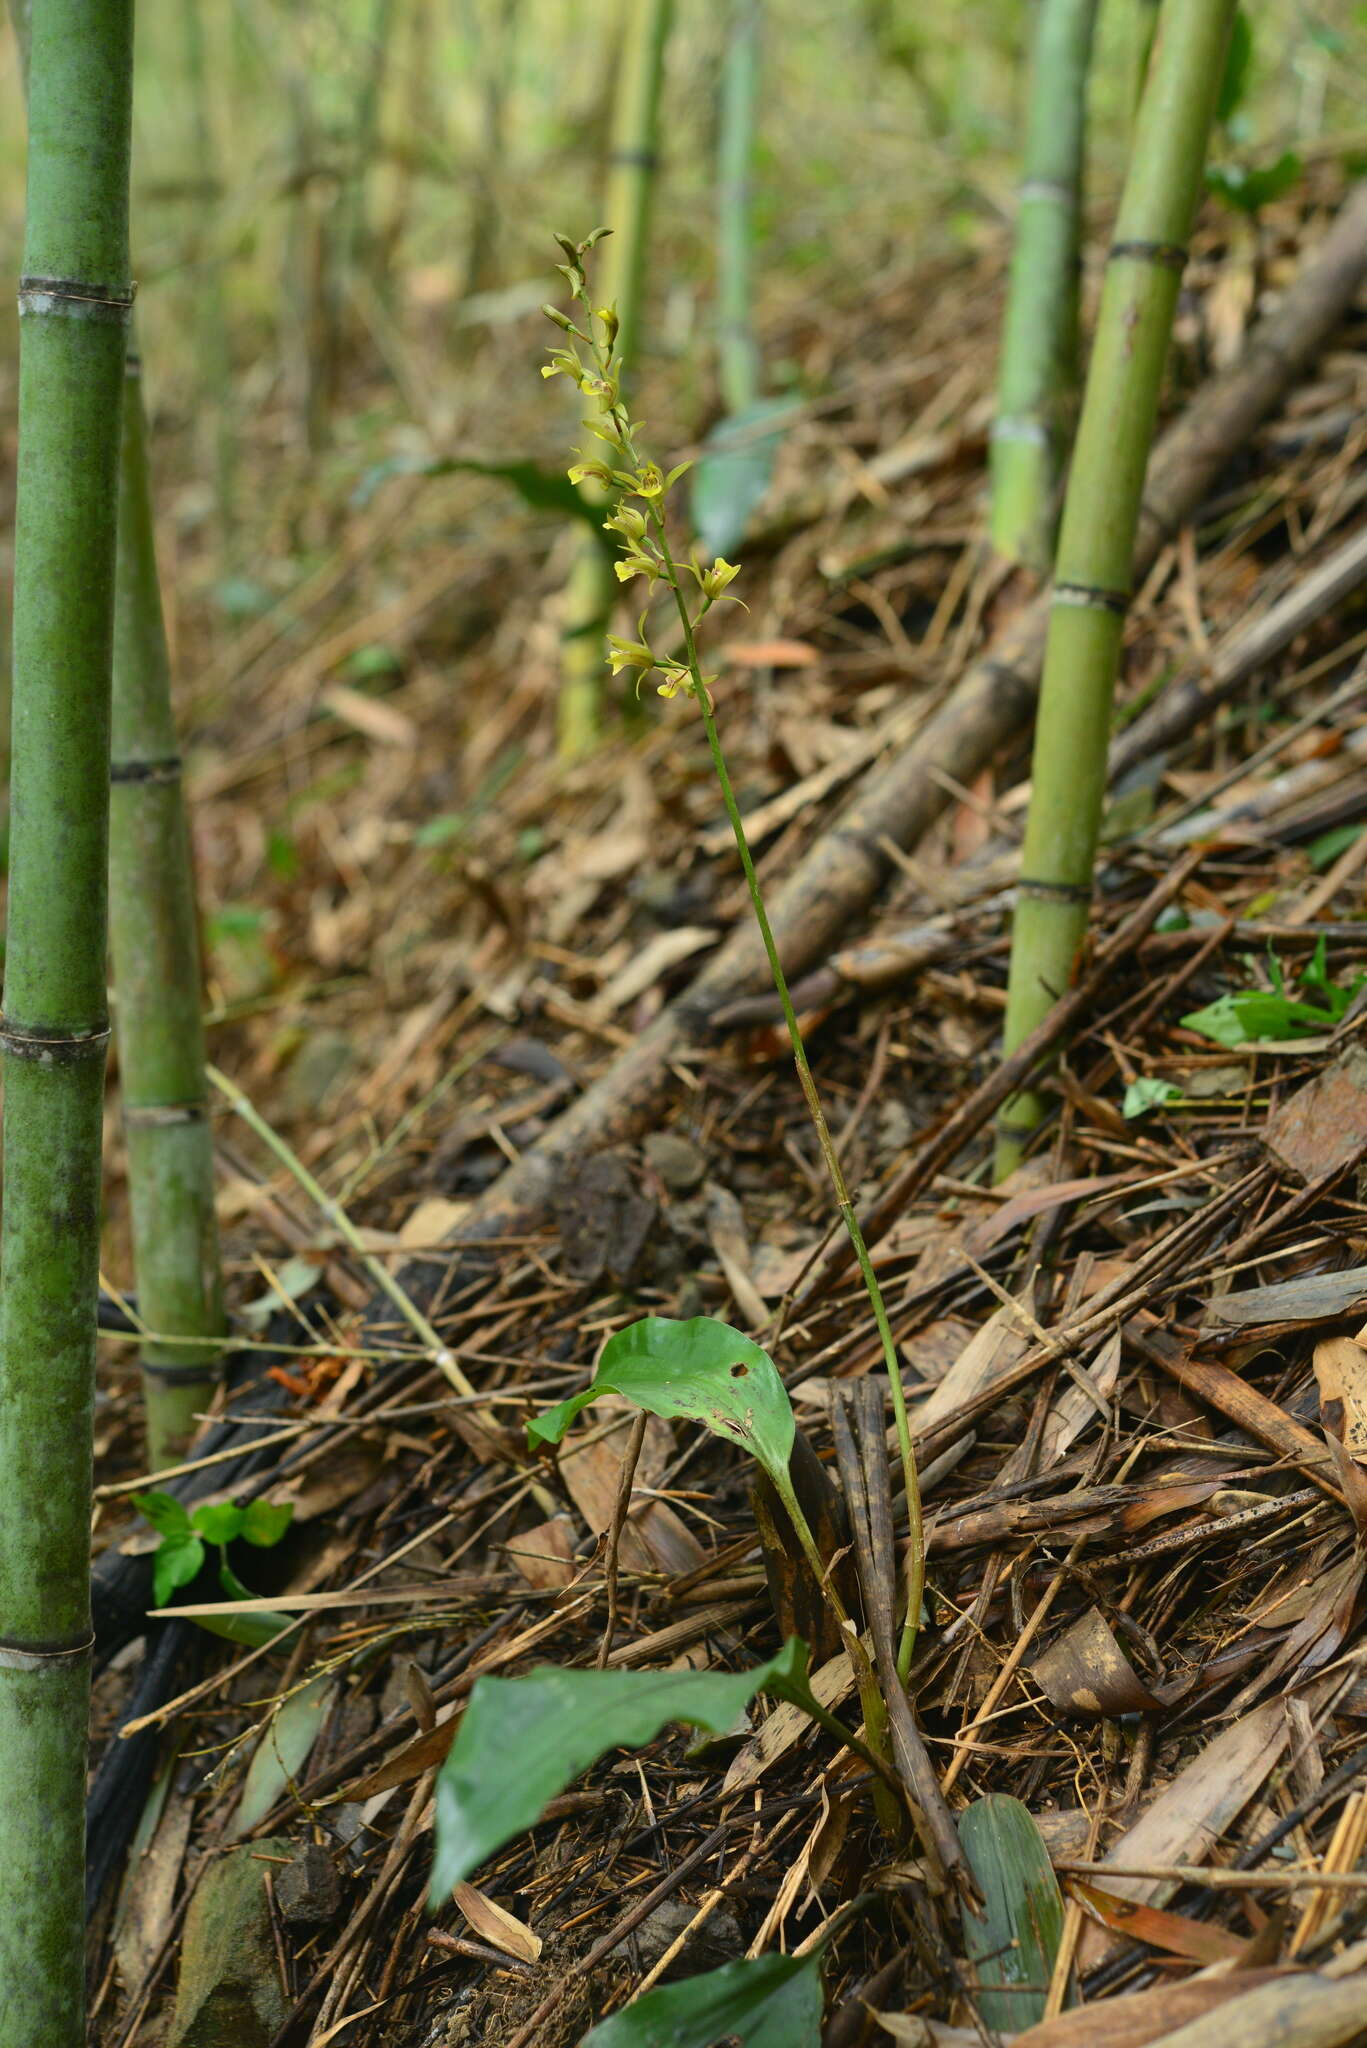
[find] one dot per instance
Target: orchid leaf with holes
(699, 1370)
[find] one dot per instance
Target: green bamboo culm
(74, 300)
(593, 586)
(1143, 22)
(737, 347)
(1038, 372)
(154, 947)
(1100, 518)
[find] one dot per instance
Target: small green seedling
(1145, 1094)
(180, 1554)
(1255, 1016)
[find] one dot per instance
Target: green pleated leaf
(522, 1740)
(701, 1370)
(734, 471)
(770, 2002)
(1014, 1942)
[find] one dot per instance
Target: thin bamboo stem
(1039, 341)
(1100, 521)
(737, 348)
(593, 587)
(154, 944)
(74, 302)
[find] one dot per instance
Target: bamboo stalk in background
(1100, 520)
(154, 943)
(498, 34)
(1038, 371)
(74, 301)
(737, 348)
(593, 585)
(213, 332)
(354, 234)
(1143, 23)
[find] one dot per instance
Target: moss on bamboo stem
(1039, 340)
(74, 304)
(593, 586)
(154, 945)
(1100, 520)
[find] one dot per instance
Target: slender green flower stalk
(154, 945)
(1100, 518)
(638, 491)
(738, 350)
(1038, 371)
(631, 187)
(74, 301)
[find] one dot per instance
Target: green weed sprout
(637, 491)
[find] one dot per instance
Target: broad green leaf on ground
(767, 2002)
(167, 1515)
(1014, 1942)
(177, 1561)
(523, 1740)
(252, 1630)
(1248, 1016)
(697, 1369)
(1148, 1092)
(1247, 188)
(734, 471)
(263, 1524)
(218, 1521)
(1325, 850)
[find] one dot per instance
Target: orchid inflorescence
(640, 530)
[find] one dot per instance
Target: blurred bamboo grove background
(341, 206)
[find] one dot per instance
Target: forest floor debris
(1136, 1369)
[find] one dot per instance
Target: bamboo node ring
(1171, 255)
(1055, 892)
(167, 769)
(157, 1115)
(52, 1048)
(14, 1657)
(202, 1374)
(1048, 188)
(72, 300)
(1091, 595)
(1015, 428)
